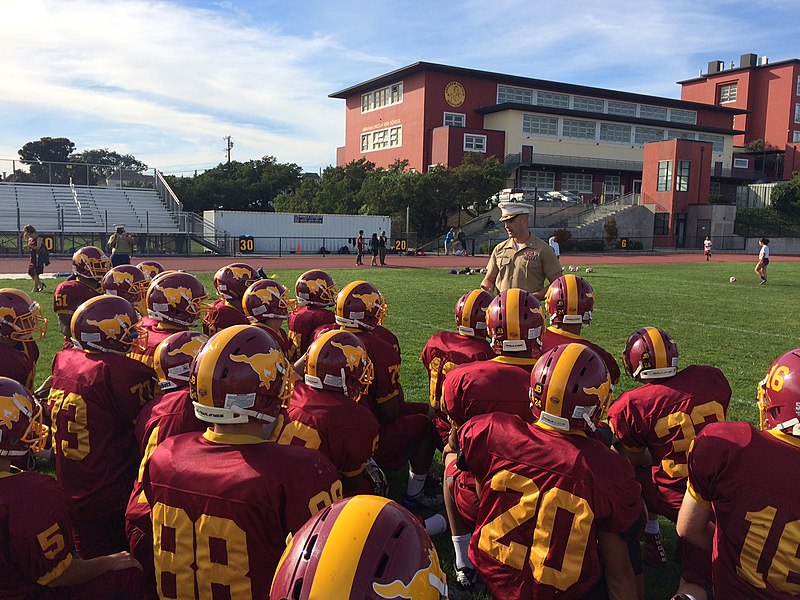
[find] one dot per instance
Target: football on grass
(733, 279)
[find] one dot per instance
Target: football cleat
(423, 501)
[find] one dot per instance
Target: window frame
(388, 95)
(542, 181)
(661, 223)
(580, 183)
(578, 126)
(462, 116)
(528, 119)
(664, 176)
(728, 92)
(615, 127)
(682, 175)
(475, 137)
(639, 137)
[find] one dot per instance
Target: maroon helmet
(359, 305)
(174, 355)
(231, 281)
(108, 324)
(338, 361)
(21, 318)
(127, 282)
(267, 299)
(779, 395)
(570, 388)
(315, 288)
(395, 556)
(570, 300)
(21, 427)
(471, 313)
(515, 321)
(91, 263)
(650, 353)
(177, 298)
(150, 268)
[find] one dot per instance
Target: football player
(175, 302)
(224, 501)
(395, 558)
(21, 325)
(515, 322)
(656, 423)
(267, 305)
(406, 434)
(316, 293)
(446, 350)
(163, 417)
(89, 266)
(569, 302)
(742, 478)
(96, 394)
(150, 268)
(230, 281)
(36, 547)
(128, 282)
(556, 506)
(325, 412)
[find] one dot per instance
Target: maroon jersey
(664, 416)
(222, 507)
(446, 350)
(157, 332)
(747, 478)
(222, 314)
(388, 337)
(18, 362)
(93, 403)
(553, 337)
(544, 497)
(334, 424)
(283, 341)
(70, 294)
(302, 324)
(497, 385)
(386, 363)
(36, 544)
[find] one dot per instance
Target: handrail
(164, 189)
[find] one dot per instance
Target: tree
(40, 155)
(102, 163)
(477, 178)
(786, 198)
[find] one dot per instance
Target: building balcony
(514, 161)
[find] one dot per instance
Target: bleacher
(52, 208)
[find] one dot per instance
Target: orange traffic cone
(298, 248)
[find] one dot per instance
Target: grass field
(740, 328)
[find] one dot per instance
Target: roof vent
(748, 60)
(764, 60)
(715, 66)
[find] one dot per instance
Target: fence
(623, 245)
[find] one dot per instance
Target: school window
(741, 163)
(681, 135)
(717, 141)
(474, 143)
(652, 112)
(612, 185)
(795, 136)
(587, 104)
(626, 109)
(543, 181)
(798, 85)
(539, 125)
(365, 142)
(386, 96)
(727, 93)
(582, 130)
(552, 99)
(507, 93)
(664, 183)
(614, 133)
(797, 113)
(682, 176)
(648, 134)
(678, 115)
(661, 224)
(382, 139)
(455, 119)
(576, 182)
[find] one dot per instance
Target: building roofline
(393, 76)
(724, 73)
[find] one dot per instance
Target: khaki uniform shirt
(525, 268)
(121, 244)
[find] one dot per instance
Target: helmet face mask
(21, 427)
(515, 322)
(21, 319)
(650, 353)
(178, 298)
(470, 313)
(267, 299)
(359, 305)
(108, 324)
(315, 288)
(779, 395)
(570, 301)
(231, 281)
(338, 361)
(91, 263)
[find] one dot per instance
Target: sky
(167, 81)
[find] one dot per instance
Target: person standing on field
(462, 239)
(360, 247)
(449, 238)
(707, 248)
(382, 242)
(555, 246)
(763, 260)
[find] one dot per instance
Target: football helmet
(359, 305)
(91, 263)
(315, 288)
(127, 282)
(174, 355)
(394, 556)
(108, 324)
(240, 373)
(471, 313)
(176, 297)
(570, 388)
(650, 353)
(21, 318)
(231, 281)
(267, 299)
(21, 427)
(515, 321)
(779, 394)
(150, 268)
(570, 300)
(338, 361)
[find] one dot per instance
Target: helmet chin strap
(589, 422)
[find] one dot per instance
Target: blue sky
(167, 80)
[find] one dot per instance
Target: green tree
(476, 179)
(786, 198)
(39, 156)
(102, 163)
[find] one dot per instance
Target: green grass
(740, 328)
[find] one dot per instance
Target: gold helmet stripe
(338, 564)
(314, 349)
(343, 295)
(559, 377)
(512, 314)
(659, 350)
(572, 294)
(206, 367)
(466, 313)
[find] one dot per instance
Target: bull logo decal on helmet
(371, 300)
(240, 273)
(603, 392)
(353, 354)
(112, 327)
(10, 409)
(266, 365)
(121, 277)
(418, 586)
(174, 295)
(316, 285)
(189, 348)
(267, 294)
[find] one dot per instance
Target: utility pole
(228, 147)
